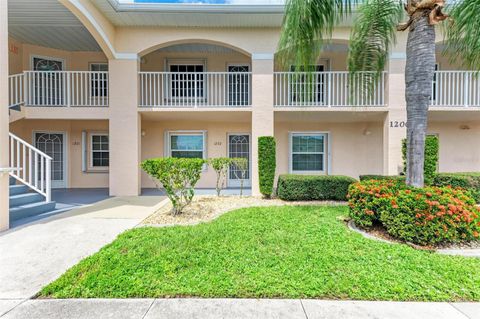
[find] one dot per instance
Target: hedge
(310, 187)
(431, 158)
(266, 164)
(424, 216)
(468, 181)
(382, 177)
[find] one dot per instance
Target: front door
(239, 147)
(238, 85)
(48, 84)
(53, 144)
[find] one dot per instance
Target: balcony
(327, 89)
(455, 89)
(195, 89)
(59, 89)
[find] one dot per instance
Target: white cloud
(259, 2)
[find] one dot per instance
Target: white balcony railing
(328, 89)
(15, 90)
(195, 89)
(31, 166)
(59, 88)
(456, 88)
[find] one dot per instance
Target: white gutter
(130, 6)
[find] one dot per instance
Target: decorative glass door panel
(238, 85)
(53, 144)
(239, 147)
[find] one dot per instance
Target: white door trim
(247, 183)
(64, 183)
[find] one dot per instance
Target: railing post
(68, 96)
(329, 85)
(25, 89)
(195, 89)
(48, 179)
(466, 93)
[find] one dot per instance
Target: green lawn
(286, 252)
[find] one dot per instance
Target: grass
(287, 252)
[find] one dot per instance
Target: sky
(259, 2)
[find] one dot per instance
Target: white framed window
(99, 150)
(186, 144)
(99, 80)
(308, 152)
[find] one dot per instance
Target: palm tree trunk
(419, 72)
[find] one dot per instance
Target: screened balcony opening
(195, 75)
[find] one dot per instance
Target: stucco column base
(262, 110)
(124, 128)
(4, 121)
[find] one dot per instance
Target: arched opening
(195, 73)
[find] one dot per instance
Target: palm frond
(463, 33)
(372, 36)
(307, 23)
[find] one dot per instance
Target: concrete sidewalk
(232, 308)
(35, 254)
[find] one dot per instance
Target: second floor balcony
(231, 89)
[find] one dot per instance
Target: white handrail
(456, 88)
(328, 89)
(15, 90)
(195, 89)
(31, 166)
(66, 88)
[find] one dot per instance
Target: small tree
(266, 164)
(178, 176)
(240, 171)
(220, 165)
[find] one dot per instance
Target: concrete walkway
(34, 254)
(233, 308)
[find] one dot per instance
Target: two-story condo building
(93, 87)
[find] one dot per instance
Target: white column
(4, 119)
(262, 108)
(396, 120)
(124, 128)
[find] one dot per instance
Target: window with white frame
(308, 152)
(186, 144)
(100, 153)
(99, 79)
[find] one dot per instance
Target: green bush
(367, 197)
(240, 171)
(178, 176)
(266, 164)
(382, 177)
(309, 187)
(424, 216)
(468, 181)
(431, 158)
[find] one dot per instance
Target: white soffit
(48, 23)
(190, 15)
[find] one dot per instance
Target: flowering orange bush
(423, 216)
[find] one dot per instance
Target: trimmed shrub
(424, 216)
(382, 177)
(366, 199)
(431, 158)
(241, 170)
(178, 176)
(432, 215)
(220, 165)
(468, 181)
(266, 164)
(309, 187)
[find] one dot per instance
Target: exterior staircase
(30, 180)
(26, 203)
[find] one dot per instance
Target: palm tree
(309, 23)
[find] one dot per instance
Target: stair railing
(31, 166)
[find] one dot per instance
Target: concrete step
(12, 181)
(18, 189)
(32, 209)
(26, 198)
